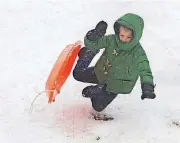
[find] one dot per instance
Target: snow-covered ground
(32, 35)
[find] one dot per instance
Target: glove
(101, 28)
(98, 32)
(147, 91)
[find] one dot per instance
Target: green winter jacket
(120, 71)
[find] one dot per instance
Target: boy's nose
(123, 39)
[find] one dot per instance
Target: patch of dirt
(176, 123)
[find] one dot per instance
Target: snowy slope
(32, 35)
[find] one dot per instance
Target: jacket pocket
(125, 74)
(122, 86)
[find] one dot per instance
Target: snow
(33, 33)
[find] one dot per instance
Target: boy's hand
(98, 32)
(149, 95)
(101, 28)
(147, 91)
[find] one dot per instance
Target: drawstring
(32, 103)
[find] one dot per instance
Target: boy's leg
(88, 75)
(102, 99)
(81, 71)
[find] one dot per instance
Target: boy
(122, 62)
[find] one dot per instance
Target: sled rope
(32, 103)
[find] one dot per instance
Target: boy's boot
(91, 90)
(85, 57)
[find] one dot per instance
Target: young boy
(122, 62)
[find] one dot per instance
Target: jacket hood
(133, 22)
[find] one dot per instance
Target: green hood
(133, 22)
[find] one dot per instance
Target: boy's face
(125, 34)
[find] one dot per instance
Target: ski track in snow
(33, 33)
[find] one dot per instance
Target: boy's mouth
(123, 42)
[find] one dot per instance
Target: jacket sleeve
(144, 67)
(102, 42)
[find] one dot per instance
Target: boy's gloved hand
(98, 32)
(147, 91)
(101, 28)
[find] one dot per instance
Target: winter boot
(91, 91)
(85, 57)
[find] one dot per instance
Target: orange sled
(61, 70)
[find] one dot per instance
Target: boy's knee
(76, 75)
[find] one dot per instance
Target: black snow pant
(102, 99)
